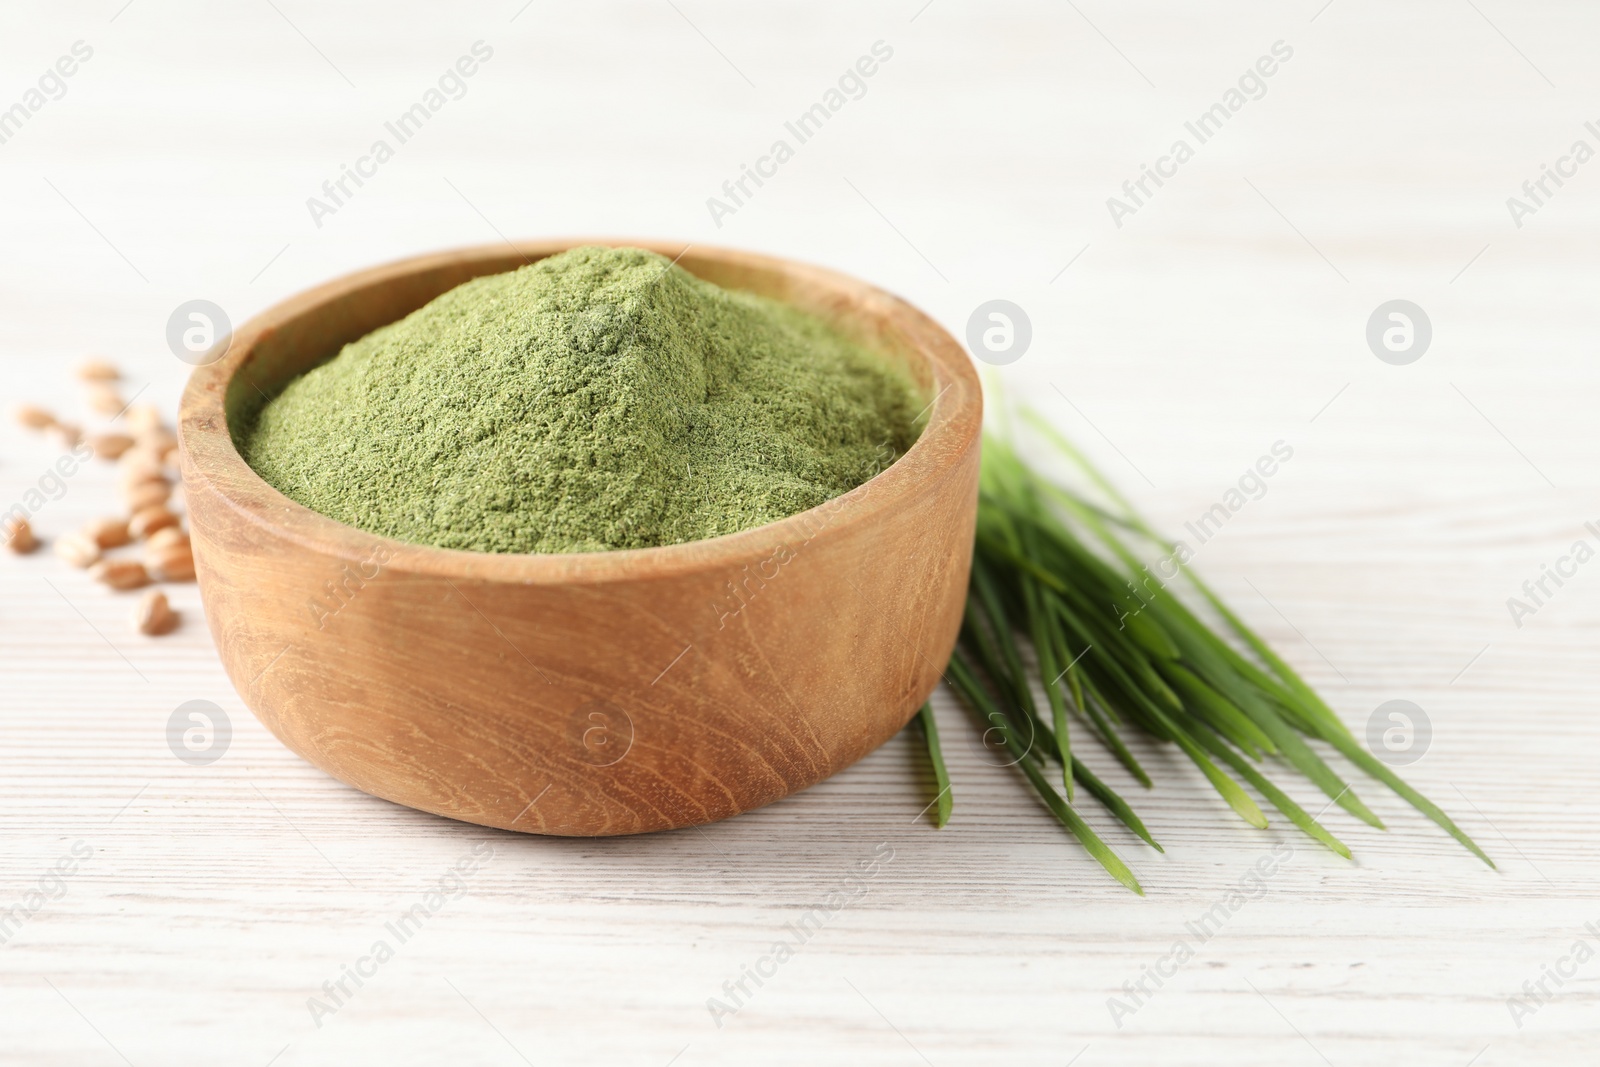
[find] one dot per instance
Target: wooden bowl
(594, 693)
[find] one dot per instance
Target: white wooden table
(209, 904)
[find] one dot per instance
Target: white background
(1228, 313)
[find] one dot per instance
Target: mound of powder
(598, 399)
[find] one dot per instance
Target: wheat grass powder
(602, 398)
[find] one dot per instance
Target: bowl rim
(211, 463)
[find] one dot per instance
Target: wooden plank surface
(209, 904)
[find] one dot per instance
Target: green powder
(598, 399)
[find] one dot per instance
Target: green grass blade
(1275, 796)
(1014, 557)
(1279, 667)
(1063, 573)
(1113, 803)
(1352, 751)
(977, 632)
(930, 732)
(1217, 672)
(1093, 707)
(1008, 706)
(1010, 655)
(1148, 633)
(966, 683)
(1081, 830)
(1067, 448)
(1220, 712)
(1226, 787)
(1108, 734)
(1044, 646)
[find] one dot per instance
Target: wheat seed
(148, 520)
(108, 533)
(120, 573)
(19, 536)
(34, 417)
(154, 616)
(147, 494)
(106, 399)
(171, 563)
(110, 445)
(142, 418)
(97, 370)
(77, 550)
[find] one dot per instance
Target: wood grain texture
(586, 694)
(1177, 349)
